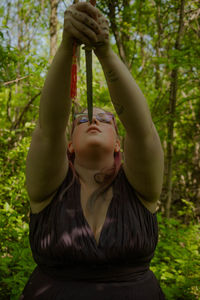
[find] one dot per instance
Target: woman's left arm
(143, 153)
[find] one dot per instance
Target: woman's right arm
(47, 162)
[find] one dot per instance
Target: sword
(88, 57)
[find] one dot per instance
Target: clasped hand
(85, 24)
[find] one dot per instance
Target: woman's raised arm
(143, 154)
(47, 162)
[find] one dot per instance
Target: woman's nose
(94, 120)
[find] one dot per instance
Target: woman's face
(104, 139)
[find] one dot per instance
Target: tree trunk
(53, 28)
(18, 88)
(196, 158)
(172, 112)
(158, 46)
(158, 82)
(120, 45)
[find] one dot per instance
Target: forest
(158, 41)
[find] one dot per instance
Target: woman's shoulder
(38, 207)
(150, 206)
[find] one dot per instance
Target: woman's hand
(80, 24)
(85, 24)
(102, 46)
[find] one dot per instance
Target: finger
(71, 28)
(104, 29)
(83, 33)
(76, 17)
(88, 8)
(80, 38)
(103, 20)
(87, 20)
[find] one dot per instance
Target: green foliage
(176, 260)
(9, 57)
(16, 262)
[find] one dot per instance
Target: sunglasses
(102, 117)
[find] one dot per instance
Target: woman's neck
(86, 175)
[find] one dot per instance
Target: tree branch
(15, 80)
(14, 126)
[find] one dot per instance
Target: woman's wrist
(67, 44)
(103, 53)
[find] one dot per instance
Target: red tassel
(73, 91)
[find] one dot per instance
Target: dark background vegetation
(158, 40)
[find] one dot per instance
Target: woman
(93, 228)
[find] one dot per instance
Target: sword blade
(88, 56)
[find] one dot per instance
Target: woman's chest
(96, 215)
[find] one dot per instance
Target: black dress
(70, 263)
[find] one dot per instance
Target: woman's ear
(70, 147)
(117, 145)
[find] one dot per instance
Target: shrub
(176, 261)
